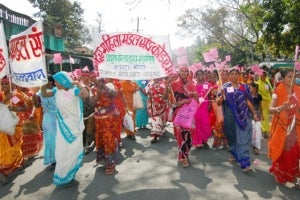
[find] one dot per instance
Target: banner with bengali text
(3, 53)
(27, 57)
(132, 56)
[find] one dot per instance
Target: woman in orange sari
(107, 123)
(128, 88)
(32, 135)
(11, 156)
(284, 144)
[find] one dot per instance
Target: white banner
(3, 53)
(131, 56)
(27, 56)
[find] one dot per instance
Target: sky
(156, 17)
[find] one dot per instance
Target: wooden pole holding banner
(60, 67)
(294, 71)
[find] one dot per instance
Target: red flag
(57, 58)
(211, 55)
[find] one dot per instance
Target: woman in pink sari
(202, 130)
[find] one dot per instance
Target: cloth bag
(8, 120)
(185, 115)
(128, 122)
(256, 134)
(137, 100)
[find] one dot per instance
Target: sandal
(255, 150)
(110, 170)
(247, 169)
(185, 162)
(231, 159)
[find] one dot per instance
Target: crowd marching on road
(72, 116)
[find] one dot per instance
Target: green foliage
(250, 31)
(66, 14)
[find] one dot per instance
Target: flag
(228, 58)
(27, 57)
(57, 58)
(71, 60)
(85, 69)
(3, 53)
(183, 60)
(211, 55)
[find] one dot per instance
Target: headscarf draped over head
(64, 79)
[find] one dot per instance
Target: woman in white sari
(69, 148)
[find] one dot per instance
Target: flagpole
(294, 71)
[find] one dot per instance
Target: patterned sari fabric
(11, 156)
(284, 144)
(202, 130)
(157, 107)
(107, 128)
(70, 125)
(217, 120)
(128, 88)
(238, 122)
(182, 91)
(31, 130)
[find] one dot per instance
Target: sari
(238, 122)
(202, 130)
(107, 123)
(70, 125)
(11, 156)
(49, 127)
(157, 107)
(182, 91)
(142, 117)
(264, 88)
(284, 143)
(31, 130)
(128, 88)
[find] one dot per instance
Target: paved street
(150, 171)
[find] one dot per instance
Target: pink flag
(71, 60)
(57, 58)
(228, 58)
(297, 66)
(183, 60)
(85, 69)
(3, 53)
(180, 51)
(211, 55)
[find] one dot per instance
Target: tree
(66, 14)
(233, 26)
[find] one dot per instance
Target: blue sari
(238, 122)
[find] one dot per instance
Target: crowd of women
(73, 116)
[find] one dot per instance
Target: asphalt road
(150, 172)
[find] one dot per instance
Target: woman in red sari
(284, 144)
(184, 90)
